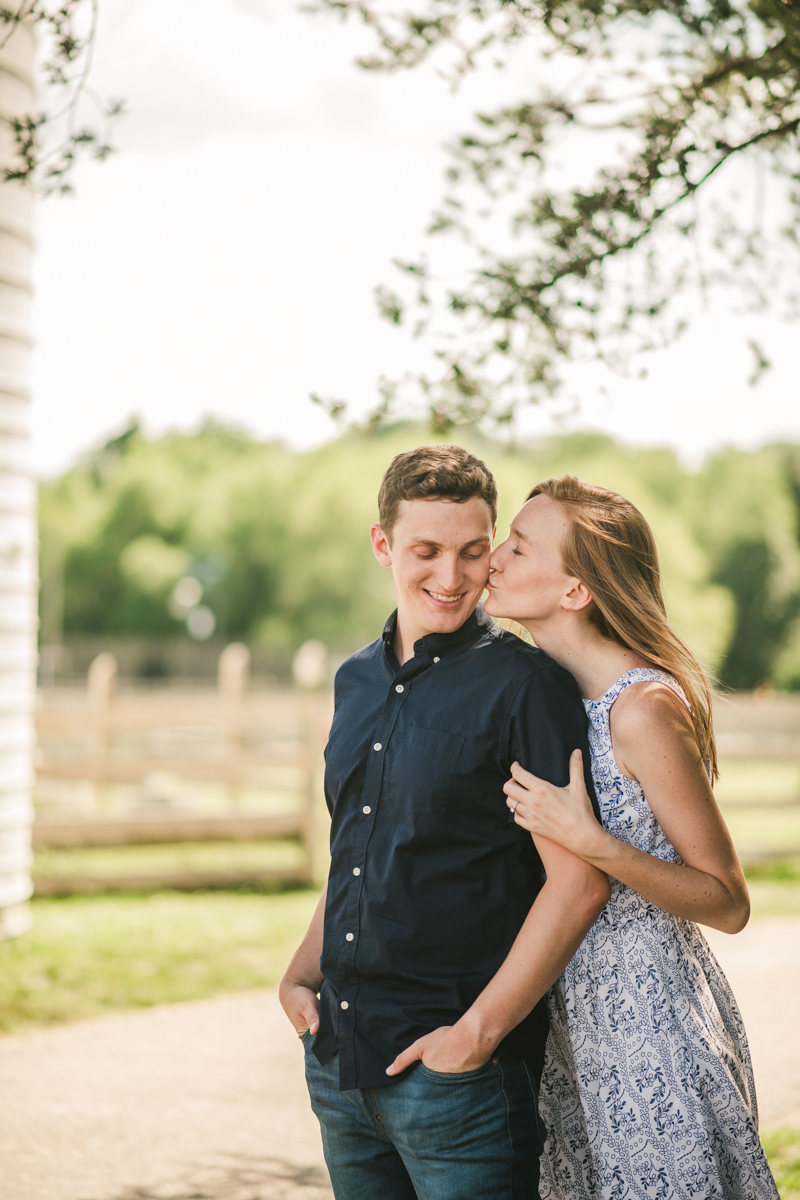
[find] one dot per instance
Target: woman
(647, 1088)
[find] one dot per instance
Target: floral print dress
(647, 1090)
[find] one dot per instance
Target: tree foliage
(49, 140)
(280, 539)
(661, 109)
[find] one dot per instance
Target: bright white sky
(224, 261)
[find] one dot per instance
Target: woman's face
(528, 581)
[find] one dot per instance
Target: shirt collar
(476, 625)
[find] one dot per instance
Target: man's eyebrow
(518, 533)
(420, 541)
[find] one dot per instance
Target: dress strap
(642, 675)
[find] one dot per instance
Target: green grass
(755, 782)
(774, 888)
(783, 1151)
(87, 955)
(771, 829)
(777, 870)
(111, 861)
(758, 827)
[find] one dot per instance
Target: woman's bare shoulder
(649, 707)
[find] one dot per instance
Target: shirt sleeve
(547, 722)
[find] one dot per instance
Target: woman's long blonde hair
(611, 549)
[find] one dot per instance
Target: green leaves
(48, 142)
(675, 101)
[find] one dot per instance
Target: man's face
(439, 555)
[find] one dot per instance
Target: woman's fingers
(576, 769)
(524, 777)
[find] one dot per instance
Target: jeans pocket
(456, 1076)
(305, 1035)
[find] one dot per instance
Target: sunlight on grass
(764, 830)
(783, 1151)
(110, 861)
(757, 782)
(774, 888)
(86, 955)
(89, 954)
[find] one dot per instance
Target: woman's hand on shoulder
(562, 815)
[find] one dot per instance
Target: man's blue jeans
(431, 1136)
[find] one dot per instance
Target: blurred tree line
(272, 544)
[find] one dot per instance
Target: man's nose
(450, 574)
(494, 560)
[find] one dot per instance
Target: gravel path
(206, 1101)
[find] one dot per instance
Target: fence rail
(252, 745)
(237, 741)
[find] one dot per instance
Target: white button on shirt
(399, 688)
(345, 1004)
(356, 870)
(377, 746)
(436, 660)
(348, 937)
(366, 809)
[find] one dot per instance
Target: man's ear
(380, 546)
(577, 597)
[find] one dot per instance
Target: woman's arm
(654, 743)
(570, 902)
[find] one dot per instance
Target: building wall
(18, 550)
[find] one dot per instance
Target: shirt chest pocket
(419, 768)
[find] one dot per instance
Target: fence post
(234, 663)
(100, 681)
(318, 822)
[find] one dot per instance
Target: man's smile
(441, 598)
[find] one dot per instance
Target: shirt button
(436, 660)
(356, 870)
(377, 746)
(345, 1004)
(399, 688)
(366, 809)
(348, 937)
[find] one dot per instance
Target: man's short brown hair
(443, 472)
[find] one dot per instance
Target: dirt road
(206, 1101)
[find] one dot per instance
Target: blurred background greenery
(276, 542)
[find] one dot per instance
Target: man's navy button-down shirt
(430, 879)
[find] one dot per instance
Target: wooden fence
(262, 751)
(240, 741)
(762, 728)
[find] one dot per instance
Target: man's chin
(442, 621)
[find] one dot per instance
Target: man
(442, 925)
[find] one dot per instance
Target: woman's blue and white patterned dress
(647, 1088)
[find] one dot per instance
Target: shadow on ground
(237, 1177)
